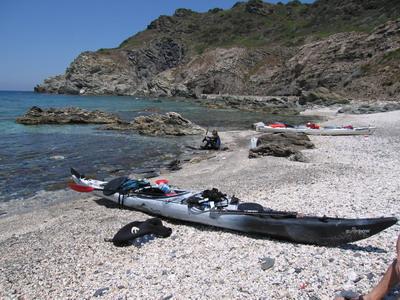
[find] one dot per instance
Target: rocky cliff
(351, 47)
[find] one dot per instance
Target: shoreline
(57, 251)
(275, 104)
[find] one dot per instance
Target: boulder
(67, 115)
(170, 123)
(271, 150)
(297, 141)
(282, 145)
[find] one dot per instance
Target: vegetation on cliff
(255, 48)
(256, 23)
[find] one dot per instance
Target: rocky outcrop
(282, 145)
(351, 64)
(156, 124)
(159, 125)
(123, 72)
(278, 151)
(321, 96)
(254, 48)
(68, 115)
(298, 141)
(271, 104)
(216, 71)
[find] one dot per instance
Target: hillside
(255, 48)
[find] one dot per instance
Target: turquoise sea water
(38, 157)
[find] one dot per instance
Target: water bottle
(253, 142)
(165, 188)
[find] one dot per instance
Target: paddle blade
(76, 173)
(80, 188)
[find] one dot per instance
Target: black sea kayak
(229, 213)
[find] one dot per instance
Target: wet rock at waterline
(67, 115)
(170, 123)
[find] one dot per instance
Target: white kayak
(230, 213)
(321, 131)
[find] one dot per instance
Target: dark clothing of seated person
(212, 142)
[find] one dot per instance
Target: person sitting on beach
(388, 281)
(212, 142)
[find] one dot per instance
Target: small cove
(35, 158)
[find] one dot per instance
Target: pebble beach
(56, 249)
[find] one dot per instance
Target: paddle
(76, 173)
(272, 214)
(205, 136)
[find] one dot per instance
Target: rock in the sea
(68, 115)
(171, 123)
(282, 145)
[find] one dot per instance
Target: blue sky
(40, 38)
